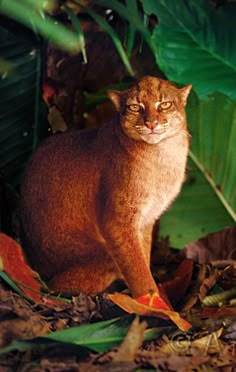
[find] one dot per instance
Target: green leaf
(130, 36)
(44, 5)
(113, 35)
(133, 17)
(207, 202)
(11, 283)
(196, 43)
(100, 336)
(19, 104)
(76, 24)
(6, 67)
(40, 23)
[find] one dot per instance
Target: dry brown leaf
(207, 277)
(211, 277)
(209, 344)
(22, 328)
(227, 277)
(56, 120)
(192, 297)
(170, 362)
(132, 342)
(68, 364)
(116, 367)
(216, 246)
(83, 303)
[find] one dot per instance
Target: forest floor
(203, 293)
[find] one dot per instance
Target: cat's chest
(149, 211)
(162, 186)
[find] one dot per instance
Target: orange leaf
(48, 94)
(15, 266)
(149, 305)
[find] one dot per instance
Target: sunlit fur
(90, 198)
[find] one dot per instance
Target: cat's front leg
(125, 247)
(146, 239)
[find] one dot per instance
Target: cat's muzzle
(155, 128)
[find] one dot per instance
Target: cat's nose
(151, 124)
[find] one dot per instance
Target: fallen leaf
(171, 362)
(19, 328)
(132, 342)
(14, 264)
(230, 331)
(149, 305)
(216, 246)
(206, 278)
(216, 312)
(209, 344)
(177, 287)
(212, 274)
(56, 120)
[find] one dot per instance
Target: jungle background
(58, 59)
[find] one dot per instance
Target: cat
(90, 198)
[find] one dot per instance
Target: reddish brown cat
(90, 198)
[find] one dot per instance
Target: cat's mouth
(159, 129)
(153, 135)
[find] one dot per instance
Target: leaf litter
(115, 341)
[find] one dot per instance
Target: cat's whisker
(186, 132)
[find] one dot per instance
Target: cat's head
(152, 109)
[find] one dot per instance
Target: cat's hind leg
(91, 278)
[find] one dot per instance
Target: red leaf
(48, 94)
(177, 287)
(149, 305)
(15, 266)
(215, 312)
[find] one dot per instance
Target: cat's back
(68, 145)
(62, 156)
(61, 170)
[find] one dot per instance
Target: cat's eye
(165, 105)
(134, 107)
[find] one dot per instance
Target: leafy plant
(20, 69)
(191, 47)
(20, 94)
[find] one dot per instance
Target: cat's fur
(90, 198)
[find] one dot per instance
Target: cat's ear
(184, 92)
(115, 97)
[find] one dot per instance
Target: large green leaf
(19, 90)
(208, 200)
(100, 336)
(196, 43)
